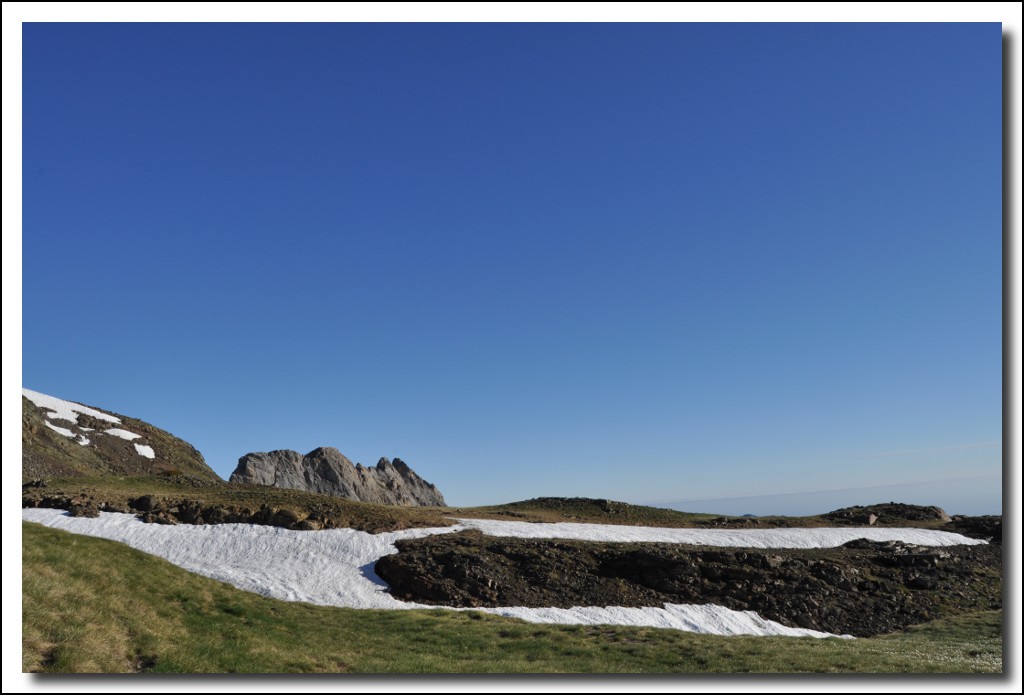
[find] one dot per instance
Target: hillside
(61, 439)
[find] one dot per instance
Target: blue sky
(645, 262)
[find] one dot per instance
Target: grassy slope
(91, 605)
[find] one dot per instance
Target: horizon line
(809, 492)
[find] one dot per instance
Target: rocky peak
(326, 470)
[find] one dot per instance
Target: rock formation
(326, 470)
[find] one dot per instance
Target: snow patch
(724, 538)
(123, 434)
(335, 567)
(707, 619)
(60, 430)
(59, 409)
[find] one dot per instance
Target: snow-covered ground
(123, 434)
(725, 538)
(59, 409)
(63, 431)
(335, 567)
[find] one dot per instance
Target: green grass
(92, 605)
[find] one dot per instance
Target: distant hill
(62, 438)
(889, 511)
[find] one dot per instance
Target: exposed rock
(862, 588)
(326, 470)
(989, 527)
(888, 512)
(84, 508)
(145, 503)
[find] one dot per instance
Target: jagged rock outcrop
(326, 470)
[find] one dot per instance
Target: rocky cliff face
(326, 470)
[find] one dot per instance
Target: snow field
(723, 538)
(64, 410)
(123, 434)
(63, 431)
(335, 567)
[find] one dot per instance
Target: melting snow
(123, 434)
(335, 567)
(60, 430)
(59, 409)
(725, 538)
(707, 619)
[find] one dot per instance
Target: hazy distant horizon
(969, 496)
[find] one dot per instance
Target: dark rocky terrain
(987, 527)
(327, 471)
(871, 514)
(862, 588)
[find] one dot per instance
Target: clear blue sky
(645, 262)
